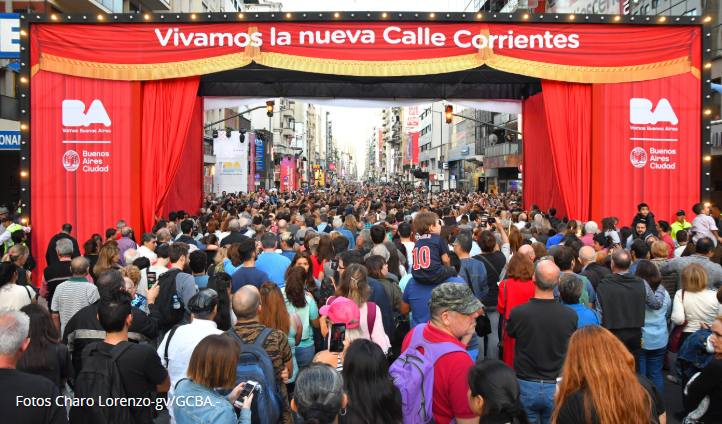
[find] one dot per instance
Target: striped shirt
(72, 296)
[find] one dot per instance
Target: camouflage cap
(455, 297)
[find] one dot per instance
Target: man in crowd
(472, 270)
(51, 256)
(248, 273)
(453, 312)
(621, 300)
(17, 386)
(404, 232)
(147, 249)
(272, 263)
(246, 306)
(161, 264)
(199, 267)
(287, 249)
(74, 294)
(703, 251)
(680, 224)
(235, 235)
(125, 243)
(542, 328)
(59, 271)
(187, 235)
(84, 327)
(646, 216)
(590, 268)
(185, 284)
(639, 250)
(177, 346)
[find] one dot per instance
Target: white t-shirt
(409, 245)
(678, 251)
(703, 225)
(15, 297)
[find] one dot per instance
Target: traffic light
(269, 108)
(449, 113)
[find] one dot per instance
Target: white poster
(231, 163)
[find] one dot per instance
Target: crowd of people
(365, 304)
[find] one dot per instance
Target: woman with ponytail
(494, 393)
(319, 397)
(599, 384)
(354, 285)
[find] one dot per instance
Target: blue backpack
(413, 374)
(255, 364)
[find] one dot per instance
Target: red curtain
(84, 167)
(539, 177)
(186, 192)
(568, 110)
(168, 107)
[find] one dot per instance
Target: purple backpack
(413, 374)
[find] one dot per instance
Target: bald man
(542, 328)
(590, 268)
(74, 294)
(247, 307)
(526, 249)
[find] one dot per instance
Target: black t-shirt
(54, 275)
(141, 371)
(707, 383)
(542, 328)
(572, 411)
(494, 263)
(233, 237)
(38, 401)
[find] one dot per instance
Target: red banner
(646, 147)
(566, 52)
(289, 182)
(85, 156)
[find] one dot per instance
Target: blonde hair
(132, 272)
(660, 249)
(694, 278)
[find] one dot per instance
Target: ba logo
(638, 157)
(640, 112)
(74, 114)
(71, 160)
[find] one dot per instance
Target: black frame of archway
(23, 85)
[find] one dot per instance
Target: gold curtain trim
(370, 68)
(591, 74)
(142, 72)
(365, 68)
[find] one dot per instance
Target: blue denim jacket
(654, 332)
(196, 404)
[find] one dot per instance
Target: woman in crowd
(372, 396)
(515, 239)
(703, 394)
(221, 283)
(91, 248)
(108, 258)
(319, 397)
(19, 254)
(324, 253)
(378, 268)
(695, 306)
(273, 308)
(212, 366)
(340, 311)
(13, 296)
(494, 393)
(601, 243)
(515, 290)
(303, 309)
(303, 259)
(354, 285)
(599, 383)
(654, 333)
(45, 355)
(132, 273)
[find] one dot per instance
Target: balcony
(156, 5)
(501, 149)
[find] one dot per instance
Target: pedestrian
(494, 394)
(319, 396)
(516, 289)
(695, 306)
(303, 310)
(599, 384)
(542, 328)
(74, 294)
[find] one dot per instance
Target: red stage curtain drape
(539, 177)
(568, 109)
(186, 190)
(168, 107)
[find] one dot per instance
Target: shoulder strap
(29, 295)
(167, 343)
(370, 316)
(468, 280)
(489, 263)
(261, 339)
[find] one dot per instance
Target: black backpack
(100, 379)
(170, 304)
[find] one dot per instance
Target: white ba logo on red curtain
(638, 157)
(71, 160)
(74, 114)
(641, 113)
